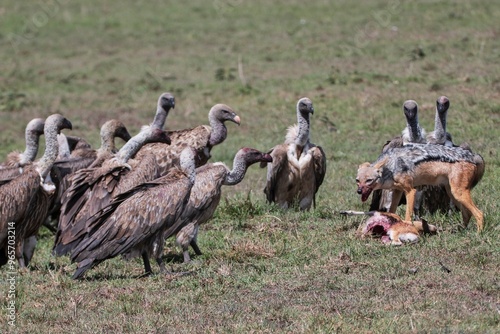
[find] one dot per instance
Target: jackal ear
(365, 164)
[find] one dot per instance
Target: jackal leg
(467, 207)
(410, 202)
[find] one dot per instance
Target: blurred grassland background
(265, 270)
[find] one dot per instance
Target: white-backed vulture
(34, 129)
(26, 198)
(93, 188)
(298, 166)
(202, 138)
(206, 194)
(134, 220)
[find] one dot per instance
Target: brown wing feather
(92, 190)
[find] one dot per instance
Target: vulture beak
(126, 136)
(312, 110)
(172, 101)
(67, 124)
(266, 158)
(236, 119)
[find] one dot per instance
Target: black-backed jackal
(405, 168)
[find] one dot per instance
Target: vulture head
(251, 156)
(35, 127)
(410, 108)
(166, 101)
(442, 104)
(116, 129)
(221, 113)
(305, 107)
(57, 122)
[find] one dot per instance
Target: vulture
(26, 198)
(34, 129)
(298, 167)
(202, 138)
(412, 133)
(67, 163)
(135, 220)
(93, 188)
(206, 194)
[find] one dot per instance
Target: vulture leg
(161, 264)
(20, 255)
(185, 253)
(195, 247)
(29, 248)
(147, 265)
(3, 257)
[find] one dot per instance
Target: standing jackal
(405, 168)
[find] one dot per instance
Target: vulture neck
(64, 151)
(51, 151)
(303, 135)
(31, 150)
(440, 125)
(236, 175)
(160, 117)
(415, 131)
(133, 145)
(218, 132)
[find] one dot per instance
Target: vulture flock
(108, 202)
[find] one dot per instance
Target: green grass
(265, 270)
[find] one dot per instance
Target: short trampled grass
(264, 269)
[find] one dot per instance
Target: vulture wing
(319, 160)
(92, 190)
(132, 220)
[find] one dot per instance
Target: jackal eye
(369, 180)
(357, 180)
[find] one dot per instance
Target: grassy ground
(264, 270)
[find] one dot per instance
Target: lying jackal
(405, 168)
